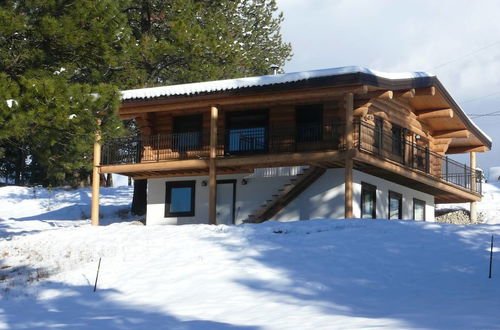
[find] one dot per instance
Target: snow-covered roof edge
(465, 117)
(231, 84)
(267, 80)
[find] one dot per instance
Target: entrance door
(225, 201)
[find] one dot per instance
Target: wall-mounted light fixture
(204, 183)
(417, 136)
(244, 181)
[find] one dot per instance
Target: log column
(212, 174)
(473, 205)
(349, 145)
(94, 212)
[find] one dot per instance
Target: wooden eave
(476, 141)
(324, 88)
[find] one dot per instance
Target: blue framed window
(180, 198)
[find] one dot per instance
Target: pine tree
(62, 63)
(181, 41)
(58, 60)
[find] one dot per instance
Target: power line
(489, 114)
(481, 97)
(466, 55)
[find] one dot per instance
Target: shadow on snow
(400, 271)
(78, 307)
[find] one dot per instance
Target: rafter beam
(465, 149)
(434, 114)
(425, 91)
(386, 95)
(360, 112)
(410, 93)
(457, 133)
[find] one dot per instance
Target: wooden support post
(349, 143)
(94, 212)
(473, 205)
(212, 171)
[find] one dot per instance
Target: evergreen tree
(58, 63)
(181, 41)
(62, 63)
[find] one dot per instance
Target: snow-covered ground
(321, 274)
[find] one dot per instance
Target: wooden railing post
(348, 193)
(94, 211)
(212, 176)
(473, 205)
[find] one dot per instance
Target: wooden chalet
(349, 126)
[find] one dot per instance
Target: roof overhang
(336, 79)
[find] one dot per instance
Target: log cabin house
(335, 143)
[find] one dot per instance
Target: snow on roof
(247, 82)
(231, 84)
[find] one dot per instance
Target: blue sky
(459, 41)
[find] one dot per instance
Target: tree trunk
(139, 200)
(19, 170)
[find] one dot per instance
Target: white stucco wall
(323, 199)
(259, 188)
(383, 187)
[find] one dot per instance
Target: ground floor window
(179, 199)
(418, 209)
(395, 205)
(368, 201)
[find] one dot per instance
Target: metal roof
(335, 76)
(239, 83)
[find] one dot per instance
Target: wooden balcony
(381, 153)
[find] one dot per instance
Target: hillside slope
(322, 274)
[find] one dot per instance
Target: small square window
(418, 209)
(179, 198)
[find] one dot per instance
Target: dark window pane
(247, 139)
(181, 200)
(418, 210)
(187, 133)
(246, 131)
(397, 140)
(186, 141)
(379, 129)
(368, 201)
(395, 205)
(309, 119)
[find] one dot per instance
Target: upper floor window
(379, 131)
(187, 132)
(398, 140)
(246, 131)
(309, 121)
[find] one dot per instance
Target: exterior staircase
(286, 194)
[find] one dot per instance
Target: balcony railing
(241, 141)
(289, 139)
(386, 145)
